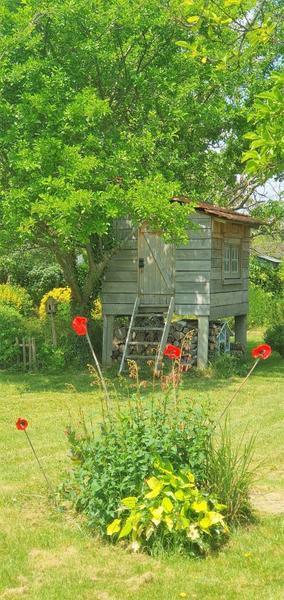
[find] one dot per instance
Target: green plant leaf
(179, 494)
(167, 505)
(114, 527)
(193, 19)
(126, 529)
(201, 506)
(129, 502)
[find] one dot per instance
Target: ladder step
(132, 356)
(143, 343)
(151, 315)
(147, 329)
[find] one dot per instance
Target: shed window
(231, 261)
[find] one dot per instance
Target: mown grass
(46, 554)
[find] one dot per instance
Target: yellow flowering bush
(61, 294)
(17, 297)
(97, 311)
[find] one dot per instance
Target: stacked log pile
(183, 333)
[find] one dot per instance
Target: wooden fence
(27, 353)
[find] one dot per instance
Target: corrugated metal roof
(269, 258)
(218, 211)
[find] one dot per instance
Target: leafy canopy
(110, 108)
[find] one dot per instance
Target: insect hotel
(152, 281)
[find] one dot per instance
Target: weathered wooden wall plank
(219, 312)
(114, 287)
(193, 298)
(192, 286)
(192, 309)
(192, 265)
(193, 254)
(229, 298)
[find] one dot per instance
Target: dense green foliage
(34, 269)
(274, 336)
(112, 107)
(261, 305)
(171, 514)
(12, 325)
(115, 464)
(266, 154)
(265, 275)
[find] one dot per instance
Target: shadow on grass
(81, 379)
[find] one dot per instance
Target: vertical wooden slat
(24, 353)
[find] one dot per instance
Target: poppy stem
(237, 391)
(38, 462)
(107, 398)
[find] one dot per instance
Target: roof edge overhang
(220, 212)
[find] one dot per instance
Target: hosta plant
(171, 513)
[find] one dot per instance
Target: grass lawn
(48, 555)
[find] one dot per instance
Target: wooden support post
(241, 330)
(53, 330)
(108, 321)
(202, 344)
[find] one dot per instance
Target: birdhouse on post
(51, 309)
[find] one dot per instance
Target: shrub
(274, 336)
(266, 276)
(171, 513)
(11, 325)
(260, 306)
(227, 365)
(63, 297)
(116, 464)
(17, 297)
(230, 475)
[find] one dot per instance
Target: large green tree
(110, 107)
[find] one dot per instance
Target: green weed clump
(230, 474)
(133, 443)
(116, 463)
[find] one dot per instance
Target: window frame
(231, 258)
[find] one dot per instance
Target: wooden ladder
(137, 313)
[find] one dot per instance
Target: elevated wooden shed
(206, 278)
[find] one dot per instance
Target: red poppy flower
(172, 351)
(21, 424)
(263, 351)
(79, 324)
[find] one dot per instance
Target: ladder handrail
(135, 308)
(165, 332)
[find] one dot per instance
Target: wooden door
(156, 265)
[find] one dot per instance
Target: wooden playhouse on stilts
(207, 278)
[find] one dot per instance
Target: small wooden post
(34, 353)
(108, 321)
(24, 353)
(241, 330)
(202, 344)
(50, 309)
(30, 353)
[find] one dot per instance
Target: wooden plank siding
(193, 264)
(119, 287)
(228, 297)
